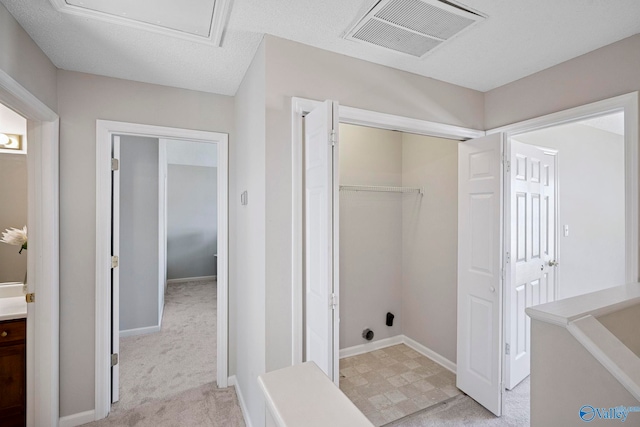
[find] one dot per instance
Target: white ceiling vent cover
(413, 27)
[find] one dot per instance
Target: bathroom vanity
(13, 358)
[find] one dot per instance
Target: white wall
(591, 203)
(430, 242)
(138, 260)
(192, 220)
(82, 99)
(370, 234)
(247, 251)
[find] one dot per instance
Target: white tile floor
(393, 382)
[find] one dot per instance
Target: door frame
(43, 263)
(627, 103)
(105, 129)
(355, 116)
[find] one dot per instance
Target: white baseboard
(139, 331)
(370, 346)
(426, 351)
(231, 381)
(399, 339)
(243, 405)
(77, 419)
(192, 279)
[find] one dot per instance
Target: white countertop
(12, 302)
(13, 308)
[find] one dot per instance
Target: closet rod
(384, 189)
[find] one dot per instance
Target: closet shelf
(383, 189)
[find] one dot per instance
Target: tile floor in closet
(393, 382)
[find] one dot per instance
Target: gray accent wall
(192, 221)
(138, 232)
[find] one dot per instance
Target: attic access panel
(197, 20)
(412, 27)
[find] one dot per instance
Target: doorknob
(553, 263)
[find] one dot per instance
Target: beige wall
(430, 243)
(370, 234)
(601, 74)
(23, 60)
(13, 198)
(293, 69)
(591, 202)
(565, 376)
(624, 325)
(83, 99)
(13, 214)
(247, 243)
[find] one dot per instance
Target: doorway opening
(166, 243)
(482, 336)
(162, 175)
(568, 228)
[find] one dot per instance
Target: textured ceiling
(518, 38)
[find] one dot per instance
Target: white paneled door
(532, 252)
(479, 335)
(321, 232)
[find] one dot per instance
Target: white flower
(15, 236)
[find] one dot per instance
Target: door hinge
(334, 301)
(114, 359)
(332, 138)
(507, 349)
(507, 163)
(507, 257)
(115, 164)
(114, 261)
(31, 297)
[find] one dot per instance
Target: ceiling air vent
(413, 27)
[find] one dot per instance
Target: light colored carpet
(204, 406)
(180, 357)
(464, 411)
